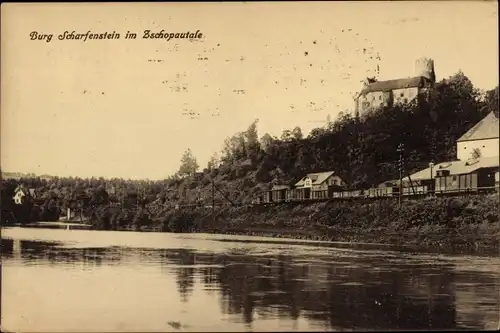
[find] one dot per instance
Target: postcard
(249, 166)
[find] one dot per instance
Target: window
(402, 94)
(454, 178)
(380, 98)
(405, 100)
(483, 146)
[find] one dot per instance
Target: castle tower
(425, 67)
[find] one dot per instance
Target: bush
(181, 221)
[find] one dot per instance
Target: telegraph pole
(213, 200)
(400, 164)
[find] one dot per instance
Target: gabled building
(482, 140)
(378, 94)
(20, 194)
(317, 186)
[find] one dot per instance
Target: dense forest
(363, 152)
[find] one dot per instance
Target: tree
(491, 100)
(141, 219)
(286, 135)
(213, 162)
(189, 165)
(252, 138)
(476, 153)
(297, 133)
(266, 141)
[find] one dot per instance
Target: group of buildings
(376, 94)
(476, 169)
(476, 166)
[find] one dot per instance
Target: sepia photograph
(250, 166)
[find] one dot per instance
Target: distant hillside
(363, 153)
(18, 175)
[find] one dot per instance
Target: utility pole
(213, 200)
(400, 164)
(433, 184)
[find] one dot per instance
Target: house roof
(456, 167)
(487, 128)
(417, 81)
(317, 178)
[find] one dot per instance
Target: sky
(130, 107)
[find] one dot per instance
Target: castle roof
(411, 82)
(487, 128)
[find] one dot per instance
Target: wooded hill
(362, 152)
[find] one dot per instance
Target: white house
(317, 185)
(481, 140)
(19, 195)
(388, 93)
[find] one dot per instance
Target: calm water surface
(58, 280)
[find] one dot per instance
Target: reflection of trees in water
(31, 251)
(367, 296)
(260, 283)
(475, 295)
(184, 275)
(329, 293)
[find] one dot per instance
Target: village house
(317, 186)
(20, 193)
(279, 193)
(388, 93)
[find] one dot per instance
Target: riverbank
(469, 223)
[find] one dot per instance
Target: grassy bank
(458, 223)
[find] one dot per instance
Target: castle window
(402, 94)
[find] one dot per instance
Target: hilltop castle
(388, 93)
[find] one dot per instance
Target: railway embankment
(454, 223)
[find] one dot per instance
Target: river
(81, 280)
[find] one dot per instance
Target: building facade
(388, 93)
(317, 186)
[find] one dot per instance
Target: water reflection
(342, 292)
